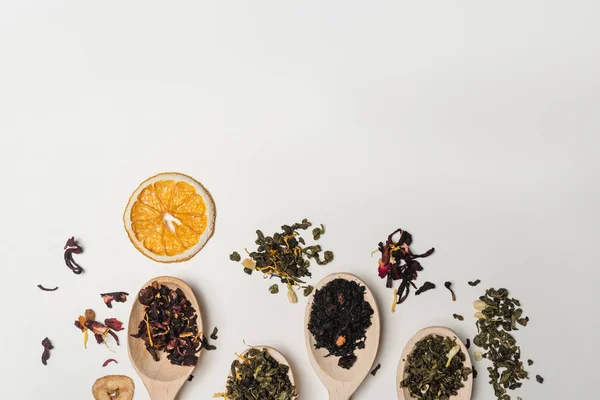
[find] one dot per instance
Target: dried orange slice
(170, 217)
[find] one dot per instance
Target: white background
(474, 126)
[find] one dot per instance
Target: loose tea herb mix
(87, 322)
(169, 324)
(257, 375)
(397, 262)
(497, 316)
(286, 256)
(435, 369)
(339, 319)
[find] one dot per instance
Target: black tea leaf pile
(339, 319)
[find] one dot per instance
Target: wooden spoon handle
(335, 396)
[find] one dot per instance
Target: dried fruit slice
(170, 217)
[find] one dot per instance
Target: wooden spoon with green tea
(162, 379)
(403, 393)
(342, 383)
(277, 356)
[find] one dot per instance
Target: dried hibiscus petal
(72, 247)
(109, 361)
(119, 297)
(47, 347)
(114, 324)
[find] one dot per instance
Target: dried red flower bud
(114, 324)
(119, 297)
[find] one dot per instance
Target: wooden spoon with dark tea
(347, 300)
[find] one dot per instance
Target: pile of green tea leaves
(497, 316)
(257, 375)
(435, 369)
(286, 256)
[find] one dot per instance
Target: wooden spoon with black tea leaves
(342, 383)
(162, 379)
(464, 393)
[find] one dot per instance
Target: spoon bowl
(276, 355)
(464, 393)
(342, 383)
(162, 379)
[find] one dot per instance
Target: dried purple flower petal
(114, 324)
(109, 361)
(119, 297)
(47, 347)
(72, 248)
(47, 289)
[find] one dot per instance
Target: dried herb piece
(530, 362)
(447, 285)
(285, 256)
(374, 372)
(114, 323)
(190, 378)
(499, 315)
(257, 375)
(213, 335)
(435, 369)
(235, 256)
(539, 379)
(475, 283)
(397, 262)
(317, 232)
(47, 289)
(308, 290)
(207, 346)
(72, 247)
(274, 288)
(426, 286)
(87, 323)
(109, 361)
(468, 343)
(47, 347)
(119, 297)
(474, 373)
(339, 319)
(458, 317)
(169, 324)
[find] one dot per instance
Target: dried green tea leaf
(213, 335)
(317, 232)
(539, 379)
(235, 256)
(274, 289)
(475, 283)
(530, 362)
(458, 317)
(308, 290)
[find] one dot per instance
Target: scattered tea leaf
(317, 232)
(119, 297)
(468, 344)
(530, 362)
(374, 372)
(213, 335)
(207, 346)
(426, 286)
(539, 379)
(274, 288)
(448, 286)
(475, 283)
(190, 378)
(235, 256)
(458, 317)
(308, 290)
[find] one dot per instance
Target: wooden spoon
(342, 383)
(465, 392)
(162, 379)
(276, 355)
